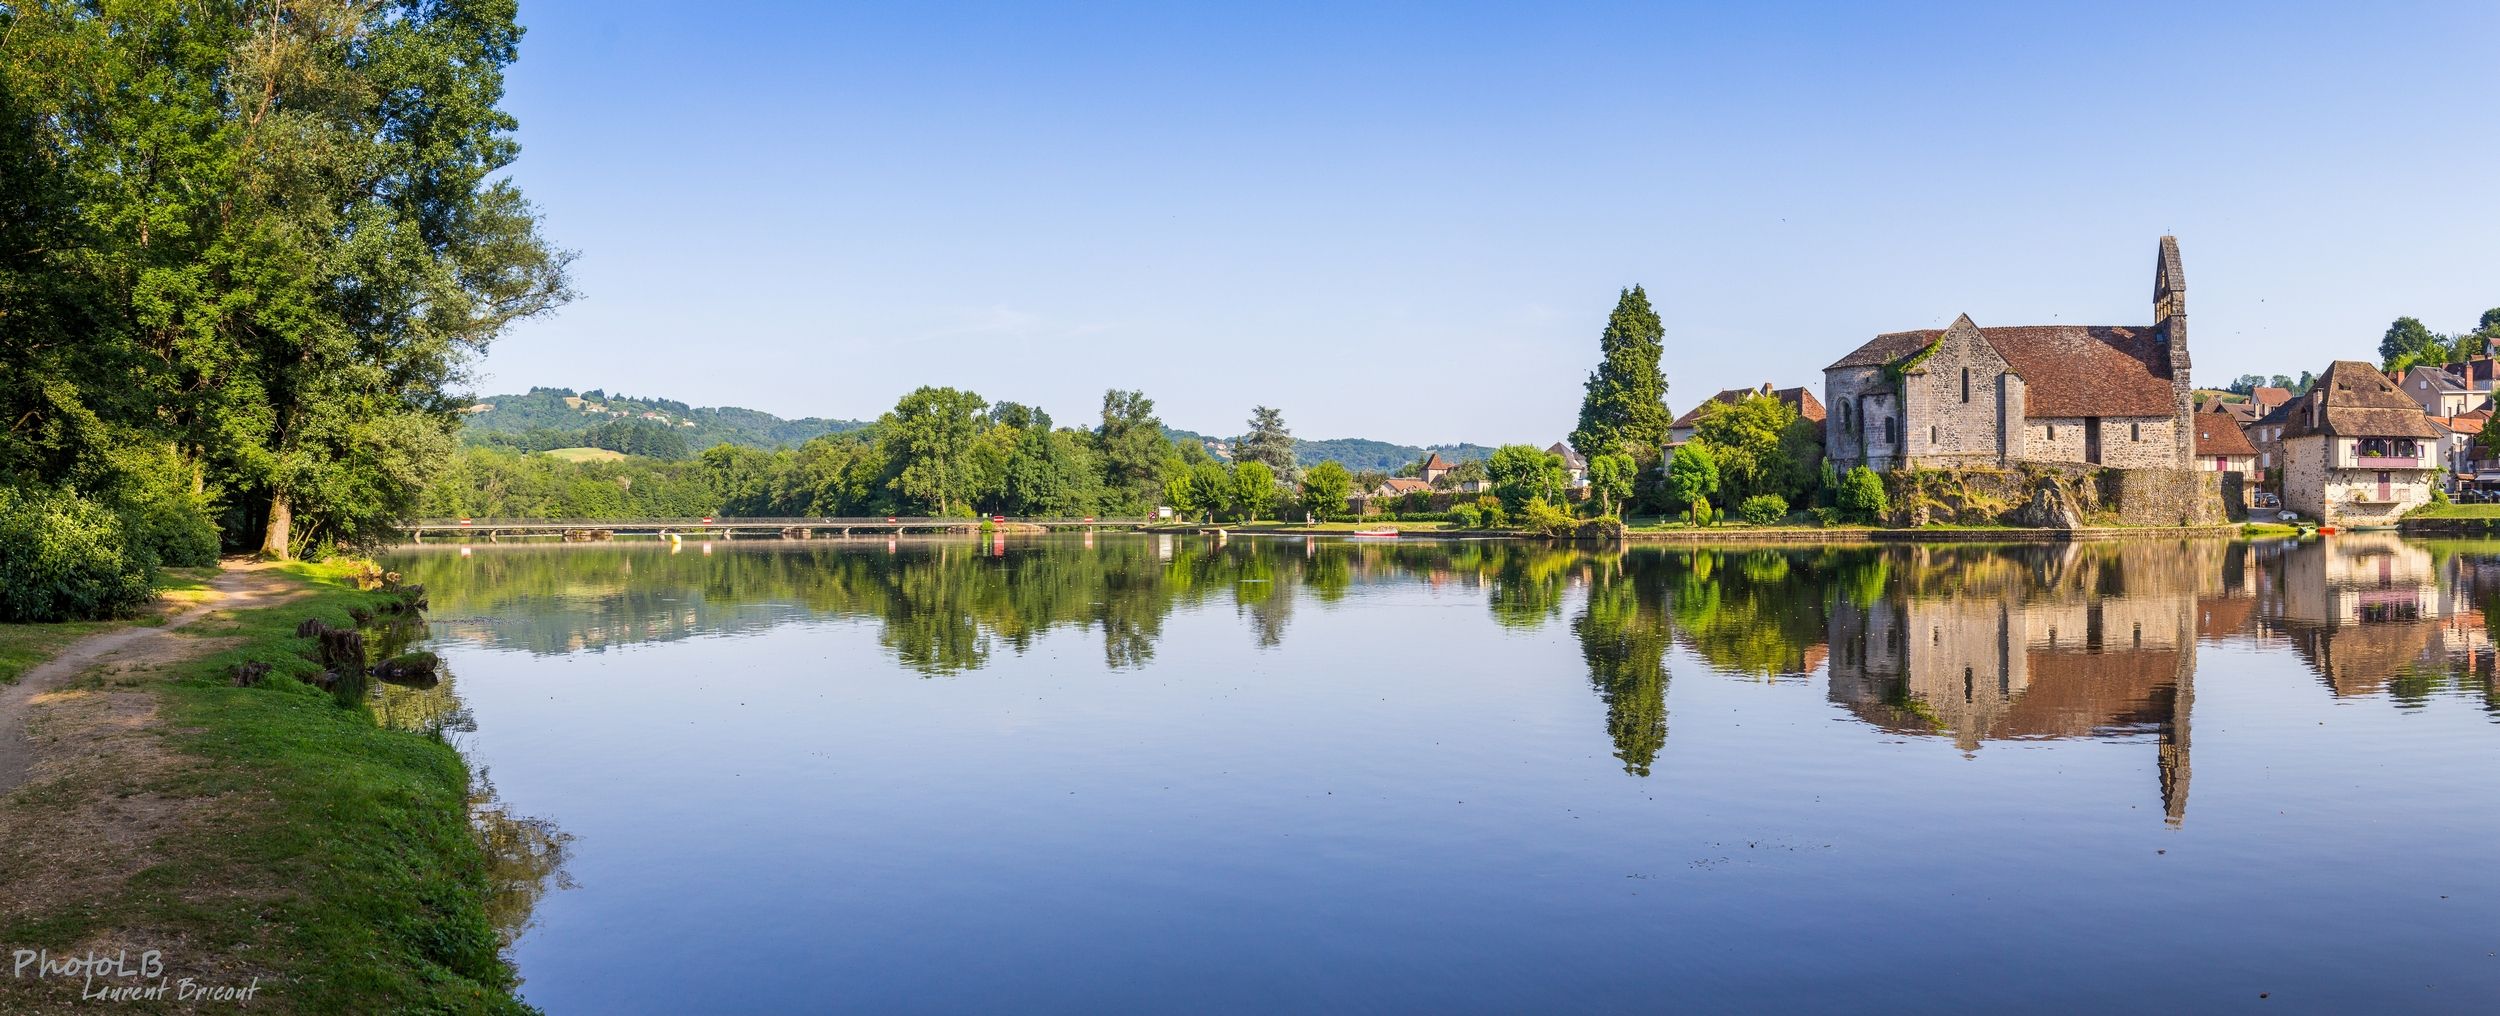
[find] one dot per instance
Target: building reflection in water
(2075, 640)
(2374, 613)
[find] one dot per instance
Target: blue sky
(1409, 222)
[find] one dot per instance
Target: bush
(1699, 512)
(1826, 516)
(64, 558)
(1467, 516)
(1763, 509)
(1494, 516)
(167, 523)
(1541, 517)
(1862, 495)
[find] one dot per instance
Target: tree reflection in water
(1971, 644)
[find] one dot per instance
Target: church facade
(2106, 395)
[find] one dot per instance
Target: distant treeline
(939, 452)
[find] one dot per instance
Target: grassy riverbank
(24, 645)
(265, 832)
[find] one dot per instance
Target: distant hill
(1354, 453)
(546, 418)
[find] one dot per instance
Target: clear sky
(1409, 222)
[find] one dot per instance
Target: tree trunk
(276, 545)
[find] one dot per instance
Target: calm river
(1127, 773)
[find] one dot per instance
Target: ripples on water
(1130, 772)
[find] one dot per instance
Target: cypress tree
(1627, 393)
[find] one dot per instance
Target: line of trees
(246, 254)
(939, 452)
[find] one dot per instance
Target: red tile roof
(2067, 370)
(2270, 397)
(1800, 399)
(2352, 399)
(2219, 435)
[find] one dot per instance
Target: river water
(1125, 773)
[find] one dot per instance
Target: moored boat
(1374, 532)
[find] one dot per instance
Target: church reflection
(2077, 640)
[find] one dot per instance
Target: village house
(1575, 468)
(2457, 454)
(2357, 450)
(1434, 468)
(2112, 395)
(2266, 435)
(1800, 400)
(2267, 398)
(2438, 392)
(2222, 448)
(1399, 486)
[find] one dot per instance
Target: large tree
(1268, 442)
(1135, 454)
(2408, 341)
(1626, 402)
(295, 231)
(928, 440)
(1324, 490)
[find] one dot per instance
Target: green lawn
(22, 646)
(2456, 511)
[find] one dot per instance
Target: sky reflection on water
(1161, 772)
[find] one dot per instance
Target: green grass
(2268, 530)
(357, 875)
(2456, 511)
(583, 454)
(22, 646)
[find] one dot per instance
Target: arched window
(1966, 384)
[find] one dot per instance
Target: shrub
(1862, 495)
(1467, 516)
(1826, 516)
(1763, 509)
(167, 523)
(1541, 517)
(1494, 516)
(1699, 512)
(65, 558)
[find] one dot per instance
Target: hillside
(547, 418)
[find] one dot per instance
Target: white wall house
(2357, 451)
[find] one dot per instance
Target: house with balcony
(2357, 451)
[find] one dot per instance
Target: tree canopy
(1268, 442)
(1626, 402)
(268, 245)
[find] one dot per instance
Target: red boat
(1374, 532)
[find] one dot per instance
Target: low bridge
(727, 527)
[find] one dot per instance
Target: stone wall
(2057, 496)
(1950, 402)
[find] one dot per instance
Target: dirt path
(241, 585)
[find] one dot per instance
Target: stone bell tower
(2170, 329)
